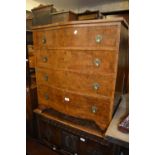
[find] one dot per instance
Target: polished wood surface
(81, 66)
(69, 36)
(69, 60)
(83, 83)
(78, 105)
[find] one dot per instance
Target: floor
(35, 148)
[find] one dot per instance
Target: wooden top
(41, 7)
(59, 12)
(113, 134)
(88, 12)
(116, 20)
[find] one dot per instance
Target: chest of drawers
(81, 67)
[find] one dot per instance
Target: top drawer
(92, 36)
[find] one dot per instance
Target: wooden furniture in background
(31, 87)
(89, 15)
(116, 14)
(82, 68)
(47, 14)
(66, 140)
(28, 20)
(63, 16)
(41, 14)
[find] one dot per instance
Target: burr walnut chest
(81, 68)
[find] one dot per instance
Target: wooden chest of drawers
(81, 67)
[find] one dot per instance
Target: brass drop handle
(96, 86)
(44, 40)
(66, 99)
(46, 77)
(45, 59)
(97, 62)
(46, 96)
(94, 109)
(98, 38)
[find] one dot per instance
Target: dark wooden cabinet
(67, 141)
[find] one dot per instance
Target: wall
(82, 5)
(31, 4)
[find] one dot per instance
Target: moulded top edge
(120, 19)
(41, 7)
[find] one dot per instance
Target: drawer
(82, 36)
(90, 84)
(39, 40)
(88, 147)
(43, 96)
(50, 98)
(32, 62)
(104, 62)
(97, 109)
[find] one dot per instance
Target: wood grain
(67, 57)
(79, 60)
(78, 105)
(77, 82)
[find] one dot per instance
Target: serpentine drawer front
(79, 60)
(83, 83)
(70, 36)
(80, 67)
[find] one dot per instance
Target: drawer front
(88, 147)
(83, 83)
(82, 36)
(104, 62)
(43, 96)
(80, 106)
(50, 98)
(32, 62)
(39, 40)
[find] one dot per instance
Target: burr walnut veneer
(81, 66)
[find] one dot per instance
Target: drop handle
(97, 62)
(45, 59)
(98, 38)
(96, 86)
(46, 77)
(94, 109)
(46, 97)
(44, 40)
